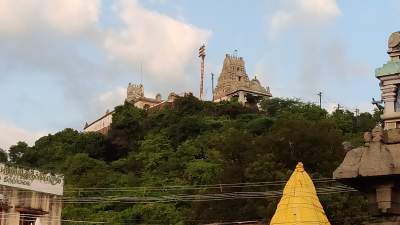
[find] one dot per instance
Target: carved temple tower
(234, 82)
(374, 169)
(389, 75)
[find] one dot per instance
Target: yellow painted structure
(299, 204)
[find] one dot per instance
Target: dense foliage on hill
(195, 144)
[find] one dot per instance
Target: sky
(65, 62)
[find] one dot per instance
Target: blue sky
(65, 62)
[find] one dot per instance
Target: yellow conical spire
(299, 204)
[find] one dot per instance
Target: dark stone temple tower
(234, 82)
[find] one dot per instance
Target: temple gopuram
(233, 82)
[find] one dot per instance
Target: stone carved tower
(374, 169)
(232, 75)
(134, 92)
(234, 82)
(389, 76)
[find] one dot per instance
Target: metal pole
(320, 99)
(141, 73)
(356, 118)
(202, 55)
(212, 85)
(202, 78)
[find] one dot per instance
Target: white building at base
(28, 196)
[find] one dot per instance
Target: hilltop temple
(134, 96)
(234, 82)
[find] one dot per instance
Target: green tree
(82, 171)
(344, 120)
(317, 144)
(126, 129)
(3, 156)
(365, 122)
(16, 152)
(193, 142)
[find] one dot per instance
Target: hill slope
(173, 154)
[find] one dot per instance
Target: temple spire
(299, 204)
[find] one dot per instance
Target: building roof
(97, 120)
(146, 99)
(390, 68)
(299, 203)
(247, 90)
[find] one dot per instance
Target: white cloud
(110, 99)
(265, 72)
(366, 107)
(157, 1)
(324, 64)
(331, 107)
(72, 15)
(303, 14)
(69, 16)
(163, 45)
(68, 42)
(11, 134)
(320, 60)
(339, 62)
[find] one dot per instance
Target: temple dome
(299, 203)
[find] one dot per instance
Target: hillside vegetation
(195, 144)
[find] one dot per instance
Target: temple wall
(103, 124)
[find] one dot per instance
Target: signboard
(31, 180)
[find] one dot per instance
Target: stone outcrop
(374, 169)
(392, 136)
(351, 164)
(379, 157)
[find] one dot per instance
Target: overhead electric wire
(175, 188)
(158, 221)
(188, 198)
(165, 194)
(194, 197)
(179, 187)
(191, 187)
(184, 193)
